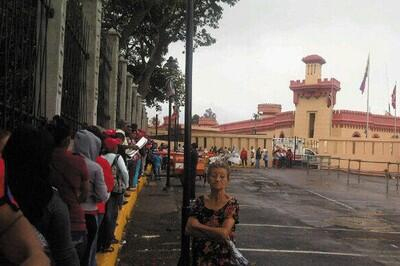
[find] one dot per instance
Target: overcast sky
(260, 44)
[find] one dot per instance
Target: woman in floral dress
(212, 220)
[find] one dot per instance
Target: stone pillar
(55, 58)
(113, 39)
(128, 111)
(134, 103)
(92, 10)
(138, 109)
(122, 93)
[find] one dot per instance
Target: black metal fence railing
(104, 81)
(73, 105)
(23, 35)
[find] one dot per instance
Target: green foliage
(195, 119)
(210, 114)
(147, 27)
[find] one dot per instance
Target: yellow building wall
(313, 73)
(323, 117)
(375, 153)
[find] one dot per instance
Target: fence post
(129, 82)
(348, 172)
(55, 58)
(308, 165)
(387, 175)
(359, 170)
(92, 11)
(397, 177)
(329, 165)
(113, 39)
(338, 168)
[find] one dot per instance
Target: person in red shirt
(243, 157)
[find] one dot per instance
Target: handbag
(237, 257)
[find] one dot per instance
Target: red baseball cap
(110, 132)
(111, 143)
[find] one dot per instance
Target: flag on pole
(169, 84)
(394, 97)
(362, 87)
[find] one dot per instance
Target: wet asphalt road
(286, 218)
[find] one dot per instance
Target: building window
(205, 142)
(282, 135)
(311, 125)
(354, 147)
(356, 134)
(265, 143)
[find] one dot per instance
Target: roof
(314, 58)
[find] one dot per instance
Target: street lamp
(170, 93)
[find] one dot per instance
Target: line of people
(70, 193)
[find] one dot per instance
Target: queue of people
(65, 196)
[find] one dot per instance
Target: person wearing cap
(110, 217)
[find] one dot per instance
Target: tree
(147, 27)
(195, 119)
(210, 114)
(158, 93)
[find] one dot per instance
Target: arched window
(375, 136)
(282, 135)
(356, 134)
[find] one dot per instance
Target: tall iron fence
(73, 105)
(104, 81)
(23, 35)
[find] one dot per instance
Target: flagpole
(395, 111)
(366, 131)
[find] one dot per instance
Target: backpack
(118, 184)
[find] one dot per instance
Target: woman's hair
(218, 164)
(27, 157)
(4, 133)
(60, 130)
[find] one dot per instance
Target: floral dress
(212, 252)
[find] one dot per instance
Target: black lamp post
(184, 260)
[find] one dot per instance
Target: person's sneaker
(125, 202)
(127, 194)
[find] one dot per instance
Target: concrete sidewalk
(153, 232)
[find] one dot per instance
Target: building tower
(314, 99)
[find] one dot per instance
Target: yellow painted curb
(110, 258)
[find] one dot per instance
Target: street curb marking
(302, 252)
(332, 200)
(319, 228)
(110, 258)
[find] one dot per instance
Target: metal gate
(73, 105)
(104, 82)
(23, 36)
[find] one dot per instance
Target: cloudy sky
(260, 44)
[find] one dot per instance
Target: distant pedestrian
(289, 158)
(243, 157)
(258, 157)
(212, 219)
(265, 158)
(252, 156)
